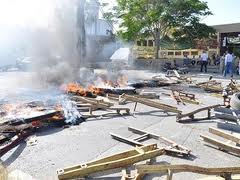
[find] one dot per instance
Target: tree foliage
(156, 18)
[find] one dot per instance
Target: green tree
(157, 18)
(187, 35)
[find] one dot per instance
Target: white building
(95, 25)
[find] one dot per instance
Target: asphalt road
(58, 148)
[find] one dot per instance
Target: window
(194, 53)
(150, 42)
(138, 43)
(145, 43)
(178, 53)
(170, 53)
(185, 53)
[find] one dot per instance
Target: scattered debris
(183, 97)
(175, 74)
(211, 86)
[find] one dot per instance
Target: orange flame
(79, 90)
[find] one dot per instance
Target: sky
(224, 11)
(37, 12)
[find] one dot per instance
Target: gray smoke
(54, 50)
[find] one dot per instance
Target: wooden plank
(149, 169)
(121, 155)
(142, 137)
(126, 140)
(225, 135)
(20, 137)
(155, 136)
(99, 104)
(112, 162)
(141, 132)
(179, 116)
(220, 144)
(151, 103)
(185, 99)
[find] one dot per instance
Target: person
(204, 59)
(185, 60)
(228, 64)
(222, 59)
(238, 66)
(193, 62)
(217, 61)
(213, 59)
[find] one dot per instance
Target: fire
(94, 90)
(79, 90)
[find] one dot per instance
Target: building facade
(228, 37)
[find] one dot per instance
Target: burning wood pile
(20, 120)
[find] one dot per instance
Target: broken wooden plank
(42, 117)
(155, 136)
(108, 114)
(15, 129)
(126, 140)
(225, 135)
(120, 160)
(150, 169)
(191, 114)
(222, 145)
(185, 99)
(150, 103)
(177, 98)
(97, 103)
(172, 149)
(20, 137)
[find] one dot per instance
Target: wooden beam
(120, 160)
(155, 136)
(20, 138)
(225, 135)
(151, 103)
(221, 145)
(191, 114)
(149, 169)
(126, 140)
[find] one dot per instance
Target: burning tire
(235, 101)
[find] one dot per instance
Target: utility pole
(81, 43)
